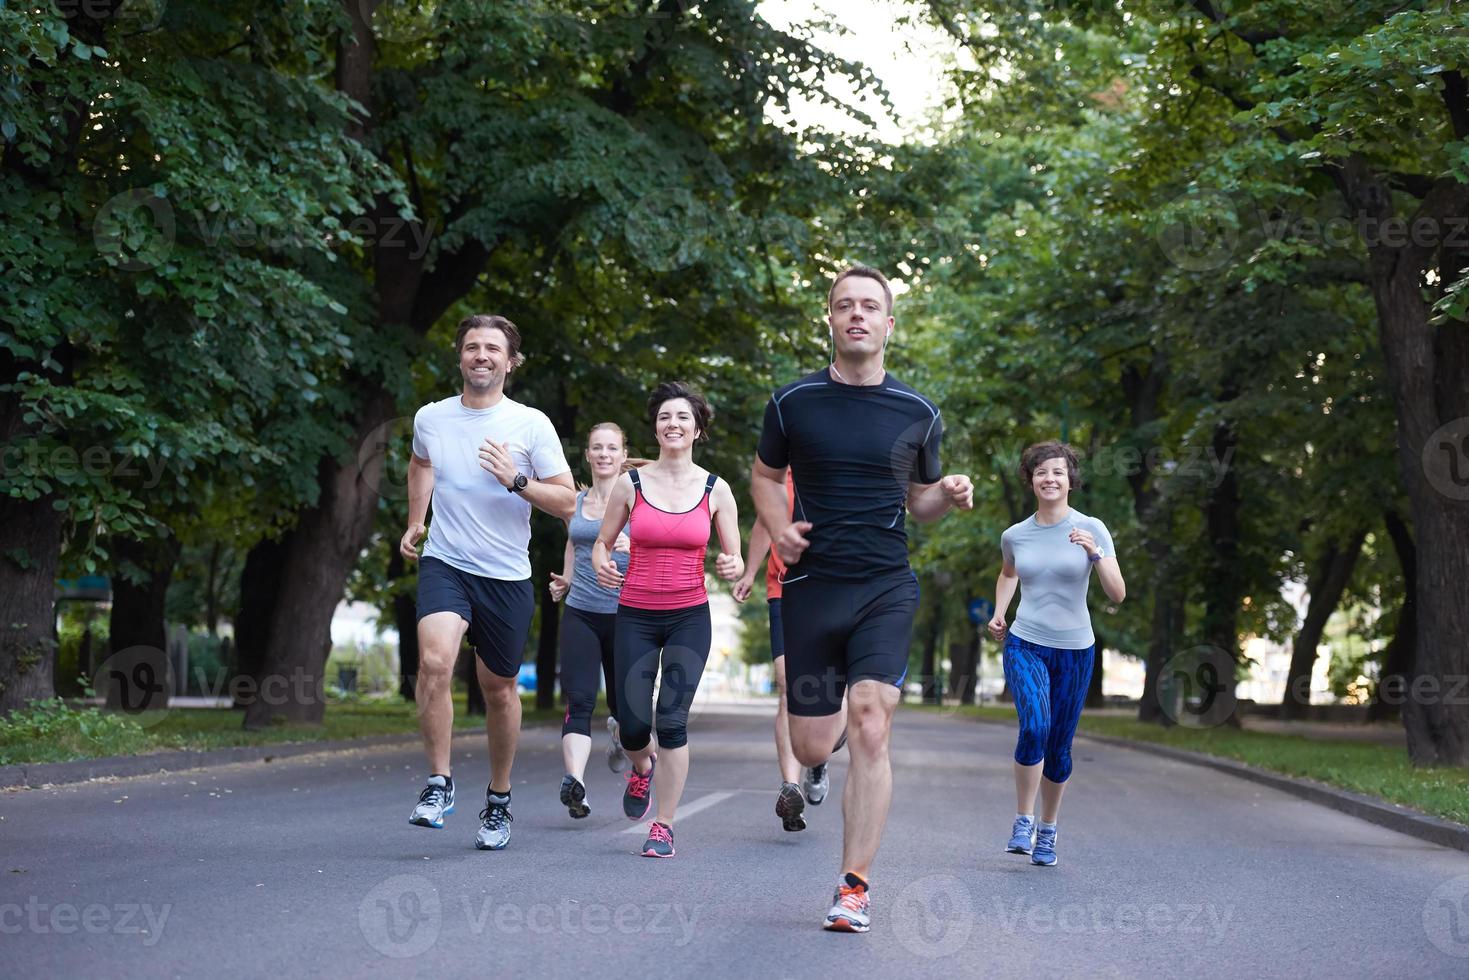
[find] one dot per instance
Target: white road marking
(686, 810)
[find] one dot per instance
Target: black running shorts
(498, 612)
(838, 633)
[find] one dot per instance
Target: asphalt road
(308, 867)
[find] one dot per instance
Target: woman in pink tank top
(670, 506)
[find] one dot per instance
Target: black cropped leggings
(675, 640)
(586, 645)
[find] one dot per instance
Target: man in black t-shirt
(863, 449)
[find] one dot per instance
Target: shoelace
(852, 899)
(659, 832)
(438, 795)
(637, 783)
(818, 773)
(495, 815)
(1045, 838)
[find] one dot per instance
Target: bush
(52, 721)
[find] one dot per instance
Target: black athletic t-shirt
(853, 451)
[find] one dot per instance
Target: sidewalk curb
(1433, 829)
(37, 774)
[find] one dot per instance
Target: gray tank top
(586, 594)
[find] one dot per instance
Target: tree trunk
(1223, 591)
(465, 670)
(929, 675)
(1325, 587)
(405, 618)
(1397, 660)
(1426, 368)
(30, 544)
(260, 583)
(138, 664)
(964, 669)
(1143, 388)
(317, 556)
(211, 592)
(1094, 687)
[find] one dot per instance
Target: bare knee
(498, 691)
(868, 727)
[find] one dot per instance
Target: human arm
(929, 502)
(728, 565)
(1109, 573)
(759, 546)
(768, 490)
(561, 584)
(556, 495)
(619, 506)
(1005, 586)
(420, 491)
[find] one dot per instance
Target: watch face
(521, 481)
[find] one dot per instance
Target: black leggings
(586, 643)
(683, 636)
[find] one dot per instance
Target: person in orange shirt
(791, 802)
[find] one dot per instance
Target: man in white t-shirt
(486, 461)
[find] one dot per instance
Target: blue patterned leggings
(1049, 686)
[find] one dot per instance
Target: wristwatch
(519, 484)
(1097, 557)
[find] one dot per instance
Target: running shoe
(574, 797)
(494, 830)
(638, 795)
(435, 803)
(851, 908)
(616, 758)
(1045, 848)
(660, 841)
(1022, 836)
(814, 783)
(788, 806)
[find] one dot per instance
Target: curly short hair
(667, 391)
(1039, 453)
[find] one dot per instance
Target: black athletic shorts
(777, 631)
(498, 612)
(838, 633)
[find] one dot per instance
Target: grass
(1376, 770)
(58, 734)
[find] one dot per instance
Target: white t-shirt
(478, 526)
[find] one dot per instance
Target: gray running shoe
(435, 803)
(851, 908)
(814, 783)
(574, 797)
(616, 758)
(788, 806)
(494, 830)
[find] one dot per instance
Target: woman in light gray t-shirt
(1050, 647)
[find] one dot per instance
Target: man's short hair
(866, 272)
(492, 321)
(1043, 452)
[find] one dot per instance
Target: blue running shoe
(434, 804)
(1022, 836)
(1044, 853)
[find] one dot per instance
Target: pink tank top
(665, 566)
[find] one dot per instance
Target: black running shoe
(574, 797)
(638, 796)
(788, 806)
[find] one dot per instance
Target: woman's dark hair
(667, 391)
(1039, 453)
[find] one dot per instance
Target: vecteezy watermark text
(63, 919)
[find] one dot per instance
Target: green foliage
(52, 722)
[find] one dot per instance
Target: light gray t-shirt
(478, 526)
(1054, 575)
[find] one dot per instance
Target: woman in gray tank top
(1050, 648)
(587, 624)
